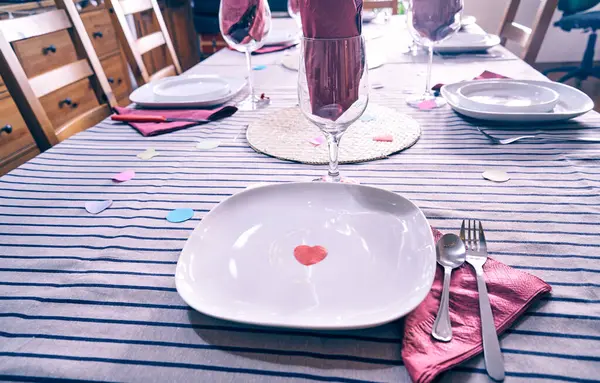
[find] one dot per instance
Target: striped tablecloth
(88, 297)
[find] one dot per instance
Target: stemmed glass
(430, 22)
(293, 7)
(333, 89)
(245, 25)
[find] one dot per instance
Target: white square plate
(239, 262)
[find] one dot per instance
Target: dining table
(87, 297)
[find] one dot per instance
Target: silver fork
(547, 136)
(476, 257)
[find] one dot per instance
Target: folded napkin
(485, 75)
(511, 292)
(156, 128)
(331, 89)
(243, 20)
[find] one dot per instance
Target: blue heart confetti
(180, 215)
(259, 67)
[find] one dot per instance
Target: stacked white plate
(467, 42)
(187, 91)
(516, 101)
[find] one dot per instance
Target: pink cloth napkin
(243, 20)
(485, 75)
(156, 128)
(332, 91)
(511, 292)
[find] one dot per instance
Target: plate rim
(519, 117)
(331, 326)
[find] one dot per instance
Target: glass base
(250, 103)
(343, 180)
(426, 102)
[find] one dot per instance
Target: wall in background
(558, 46)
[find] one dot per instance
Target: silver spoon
(451, 253)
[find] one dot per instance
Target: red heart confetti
(310, 255)
(427, 105)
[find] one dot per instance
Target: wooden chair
(26, 92)
(369, 5)
(135, 48)
(529, 39)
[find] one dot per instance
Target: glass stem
(333, 142)
(249, 65)
(428, 93)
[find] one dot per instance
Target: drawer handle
(97, 35)
(66, 101)
(7, 129)
(112, 80)
(48, 49)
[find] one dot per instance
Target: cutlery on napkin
(333, 19)
(511, 292)
(271, 48)
(171, 120)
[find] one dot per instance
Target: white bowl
(183, 88)
(239, 262)
(507, 96)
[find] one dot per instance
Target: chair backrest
(368, 5)
(26, 92)
(529, 39)
(135, 48)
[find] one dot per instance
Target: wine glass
(429, 22)
(245, 25)
(333, 89)
(293, 7)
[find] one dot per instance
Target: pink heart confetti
(317, 140)
(427, 104)
(95, 207)
(384, 138)
(124, 176)
(310, 255)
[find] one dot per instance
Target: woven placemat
(286, 134)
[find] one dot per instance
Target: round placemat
(287, 135)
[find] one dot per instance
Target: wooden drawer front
(69, 102)
(19, 140)
(116, 73)
(101, 32)
(41, 54)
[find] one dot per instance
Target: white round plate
(467, 20)
(239, 262)
(144, 96)
(181, 88)
(571, 103)
(281, 37)
(292, 61)
(507, 96)
(467, 42)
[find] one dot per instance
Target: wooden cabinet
(43, 53)
(117, 76)
(16, 143)
(99, 27)
(69, 102)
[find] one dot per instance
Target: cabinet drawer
(100, 29)
(16, 145)
(117, 75)
(43, 53)
(69, 102)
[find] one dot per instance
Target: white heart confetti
(496, 175)
(208, 144)
(95, 207)
(147, 154)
